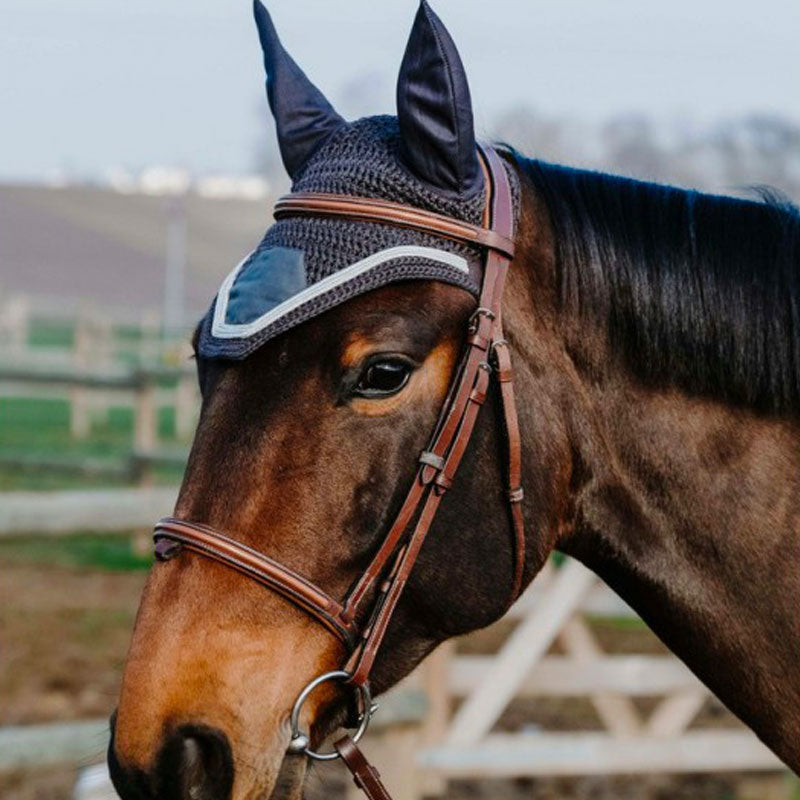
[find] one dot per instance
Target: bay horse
(655, 334)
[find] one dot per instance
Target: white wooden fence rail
(55, 743)
(62, 512)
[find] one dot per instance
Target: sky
(89, 85)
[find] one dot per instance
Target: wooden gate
(467, 694)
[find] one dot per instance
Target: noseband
(362, 618)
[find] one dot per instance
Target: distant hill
(86, 244)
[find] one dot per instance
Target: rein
(361, 620)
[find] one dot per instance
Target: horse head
(324, 363)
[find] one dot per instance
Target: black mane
(697, 291)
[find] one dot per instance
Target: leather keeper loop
(481, 386)
(516, 495)
(430, 459)
(478, 395)
(443, 483)
(501, 359)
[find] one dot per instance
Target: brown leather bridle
(362, 618)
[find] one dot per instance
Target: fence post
(145, 422)
(101, 356)
(79, 419)
(17, 323)
(150, 337)
(436, 682)
(185, 406)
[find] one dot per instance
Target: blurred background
(138, 165)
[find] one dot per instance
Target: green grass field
(97, 551)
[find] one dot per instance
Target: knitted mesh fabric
(359, 160)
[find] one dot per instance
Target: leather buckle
(495, 344)
(479, 328)
(474, 320)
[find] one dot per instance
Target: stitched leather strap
(367, 209)
(515, 494)
(365, 776)
(450, 441)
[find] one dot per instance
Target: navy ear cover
(303, 117)
(434, 109)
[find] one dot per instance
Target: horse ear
(437, 136)
(303, 117)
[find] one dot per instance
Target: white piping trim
(226, 330)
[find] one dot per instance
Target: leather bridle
(362, 618)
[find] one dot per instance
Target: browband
(367, 209)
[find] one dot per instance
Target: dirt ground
(65, 631)
(65, 634)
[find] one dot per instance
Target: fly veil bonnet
(425, 158)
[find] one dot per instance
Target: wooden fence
(102, 510)
(97, 365)
(91, 392)
(99, 334)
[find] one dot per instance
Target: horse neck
(688, 508)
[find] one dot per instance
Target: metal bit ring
(299, 744)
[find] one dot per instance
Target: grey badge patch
(268, 278)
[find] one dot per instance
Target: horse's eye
(383, 378)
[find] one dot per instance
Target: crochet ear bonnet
(426, 157)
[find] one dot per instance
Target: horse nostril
(195, 763)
